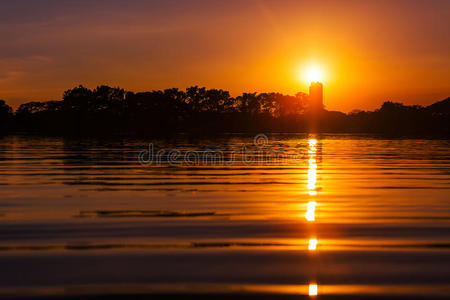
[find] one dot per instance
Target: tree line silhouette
(107, 111)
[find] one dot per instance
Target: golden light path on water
(313, 289)
(312, 245)
(310, 214)
(311, 211)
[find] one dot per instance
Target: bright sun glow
(312, 73)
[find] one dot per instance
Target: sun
(312, 73)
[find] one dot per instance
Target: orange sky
(370, 51)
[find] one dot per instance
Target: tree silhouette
(5, 117)
(110, 110)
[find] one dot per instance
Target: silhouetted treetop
(6, 116)
(441, 107)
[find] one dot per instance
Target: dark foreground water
(290, 216)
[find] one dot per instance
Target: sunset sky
(368, 51)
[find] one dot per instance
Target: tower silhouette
(316, 96)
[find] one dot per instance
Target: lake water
(284, 215)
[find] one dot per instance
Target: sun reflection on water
(312, 289)
(312, 244)
(312, 179)
(311, 211)
(311, 206)
(312, 167)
